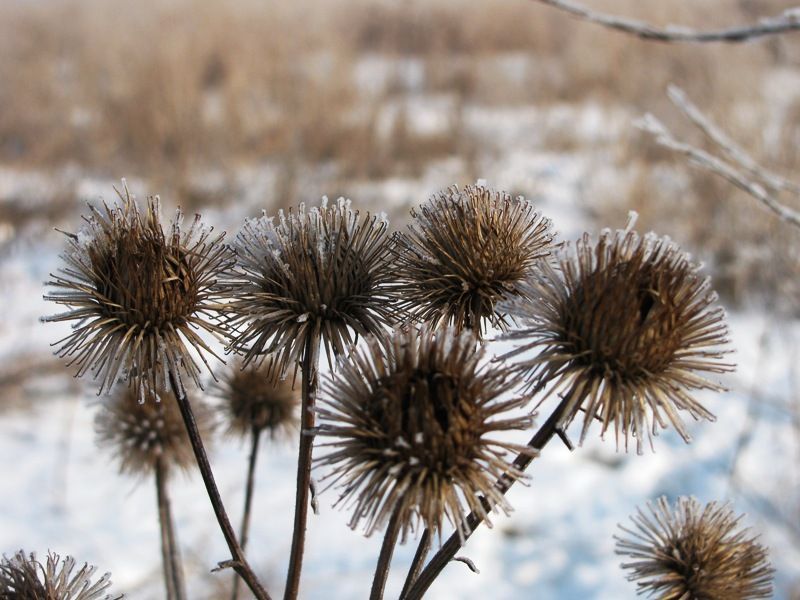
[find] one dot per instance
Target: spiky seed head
(624, 329)
(413, 420)
(140, 434)
(252, 401)
(23, 577)
(316, 273)
(464, 252)
(137, 295)
(694, 552)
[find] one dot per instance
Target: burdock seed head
(251, 401)
(137, 295)
(412, 422)
(140, 434)
(23, 577)
(464, 252)
(318, 272)
(624, 331)
(694, 552)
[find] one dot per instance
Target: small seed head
(465, 251)
(316, 273)
(413, 422)
(137, 295)
(140, 434)
(694, 552)
(252, 401)
(23, 577)
(623, 329)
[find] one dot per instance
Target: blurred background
(230, 108)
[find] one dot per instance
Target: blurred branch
(788, 20)
(740, 169)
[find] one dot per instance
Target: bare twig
(310, 378)
(741, 177)
(468, 561)
(727, 145)
(787, 21)
(239, 562)
(248, 500)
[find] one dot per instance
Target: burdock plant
(253, 404)
(138, 296)
(465, 251)
(625, 328)
(24, 577)
(149, 439)
(694, 552)
(412, 422)
(315, 277)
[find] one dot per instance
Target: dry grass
(159, 88)
(162, 91)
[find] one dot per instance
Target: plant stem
(418, 561)
(248, 500)
(238, 562)
(503, 484)
(310, 359)
(170, 555)
(385, 557)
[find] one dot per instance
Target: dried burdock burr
(413, 424)
(149, 439)
(694, 552)
(465, 251)
(24, 577)
(623, 329)
(144, 434)
(138, 295)
(140, 298)
(252, 401)
(314, 273)
(316, 277)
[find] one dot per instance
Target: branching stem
(446, 553)
(238, 562)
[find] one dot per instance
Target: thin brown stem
(419, 560)
(238, 561)
(385, 557)
(446, 553)
(170, 556)
(248, 500)
(310, 359)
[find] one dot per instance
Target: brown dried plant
(465, 251)
(251, 401)
(149, 438)
(623, 328)
(316, 273)
(694, 552)
(140, 434)
(412, 421)
(138, 295)
(316, 278)
(23, 577)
